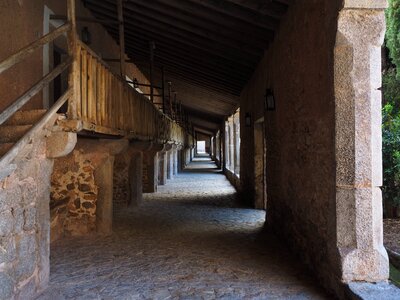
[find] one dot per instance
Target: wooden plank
(84, 84)
(99, 88)
(77, 83)
(22, 100)
(90, 86)
(72, 46)
(103, 130)
(120, 9)
(26, 51)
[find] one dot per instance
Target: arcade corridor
(187, 241)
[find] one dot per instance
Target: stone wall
(24, 224)
(82, 189)
(73, 196)
(300, 133)
(121, 188)
(323, 64)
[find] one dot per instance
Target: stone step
(5, 147)
(11, 134)
(26, 117)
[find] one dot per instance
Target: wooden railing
(102, 100)
(107, 104)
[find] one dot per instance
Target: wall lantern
(269, 100)
(247, 120)
(86, 36)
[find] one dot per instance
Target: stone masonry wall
(121, 181)
(73, 196)
(300, 133)
(24, 225)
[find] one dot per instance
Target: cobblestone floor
(188, 241)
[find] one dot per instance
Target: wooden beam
(73, 82)
(274, 9)
(232, 68)
(26, 51)
(152, 11)
(152, 48)
(149, 33)
(147, 24)
(225, 9)
(22, 100)
(203, 18)
(85, 19)
(120, 9)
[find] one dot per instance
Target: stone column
(136, 179)
(163, 165)
(104, 204)
(170, 164)
(175, 155)
(150, 171)
(357, 227)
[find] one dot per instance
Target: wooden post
(74, 79)
(152, 47)
(163, 88)
(121, 37)
(169, 99)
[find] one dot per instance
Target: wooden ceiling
(209, 48)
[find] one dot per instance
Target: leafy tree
(391, 109)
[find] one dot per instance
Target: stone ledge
(366, 4)
(373, 291)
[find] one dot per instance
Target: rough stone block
(7, 250)
(60, 144)
(6, 223)
(29, 218)
(7, 286)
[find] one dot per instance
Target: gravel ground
(188, 241)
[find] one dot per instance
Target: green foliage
(393, 32)
(391, 137)
(391, 109)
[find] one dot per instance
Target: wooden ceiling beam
(171, 74)
(175, 13)
(204, 78)
(273, 9)
(233, 11)
(214, 66)
(145, 23)
(211, 49)
(208, 31)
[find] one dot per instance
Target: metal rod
(163, 88)
(143, 84)
(152, 46)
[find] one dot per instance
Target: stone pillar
(150, 171)
(104, 205)
(175, 154)
(163, 165)
(170, 164)
(357, 227)
(136, 179)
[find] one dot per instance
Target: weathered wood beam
(22, 100)
(73, 80)
(147, 24)
(150, 11)
(202, 18)
(228, 10)
(221, 58)
(85, 19)
(274, 9)
(212, 49)
(28, 50)
(120, 9)
(221, 69)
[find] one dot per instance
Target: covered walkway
(187, 241)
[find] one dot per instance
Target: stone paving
(188, 241)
